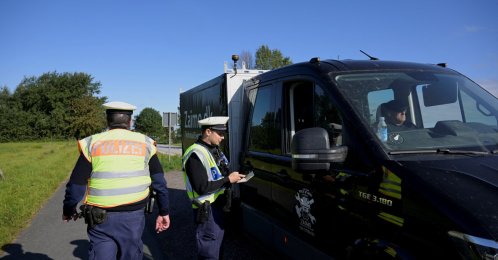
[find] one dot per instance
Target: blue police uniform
(205, 182)
(114, 172)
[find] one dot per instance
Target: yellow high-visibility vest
(212, 171)
(120, 167)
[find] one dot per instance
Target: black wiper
(448, 151)
(412, 151)
(441, 151)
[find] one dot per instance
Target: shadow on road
(178, 242)
(16, 252)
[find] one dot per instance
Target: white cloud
(490, 85)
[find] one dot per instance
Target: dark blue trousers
(119, 237)
(210, 234)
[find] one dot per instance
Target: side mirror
(311, 150)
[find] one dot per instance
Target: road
(178, 241)
(47, 237)
(169, 149)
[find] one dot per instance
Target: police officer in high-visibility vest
(206, 177)
(113, 176)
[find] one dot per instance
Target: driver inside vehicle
(394, 112)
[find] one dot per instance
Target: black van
(329, 183)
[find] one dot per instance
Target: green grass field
(32, 172)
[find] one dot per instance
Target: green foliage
(87, 117)
(170, 162)
(165, 137)
(53, 105)
(267, 59)
(149, 122)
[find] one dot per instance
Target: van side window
(309, 106)
(264, 132)
(302, 105)
(327, 116)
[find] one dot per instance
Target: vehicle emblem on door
(303, 209)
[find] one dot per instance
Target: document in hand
(249, 175)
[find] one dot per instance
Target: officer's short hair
(118, 118)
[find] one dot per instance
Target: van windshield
(423, 110)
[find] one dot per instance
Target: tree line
(51, 106)
(67, 106)
(62, 106)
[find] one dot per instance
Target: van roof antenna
(235, 58)
(371, 58)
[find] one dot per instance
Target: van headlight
(472, 247)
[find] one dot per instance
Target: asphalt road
(179, 241)
(47, 237)
(169, 149)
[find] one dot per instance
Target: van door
(264, 144)
(305, 105)
(326, 202)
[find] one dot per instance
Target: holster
(93, 215)
(203, 211)
(149, 207)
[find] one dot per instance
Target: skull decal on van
(303, 210)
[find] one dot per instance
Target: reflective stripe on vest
(212, 171)
(120, 172)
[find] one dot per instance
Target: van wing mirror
(311, 150)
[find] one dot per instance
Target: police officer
(113, 176)
(207, 176)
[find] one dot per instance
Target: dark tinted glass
(264, 132)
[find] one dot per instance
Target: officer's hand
(67, 218)
(162, 223)
(235, 177)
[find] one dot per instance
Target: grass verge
(169, 163)
(32, 173)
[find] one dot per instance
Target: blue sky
(144, 52)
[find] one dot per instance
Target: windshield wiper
(412, 151)
(442, 151)
(448, 151)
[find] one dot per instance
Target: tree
(53, 105)
(149, 122)
(86, 117)
(4, 97)
(14, 123)
(267, 59)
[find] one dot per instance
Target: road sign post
(170, 119)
